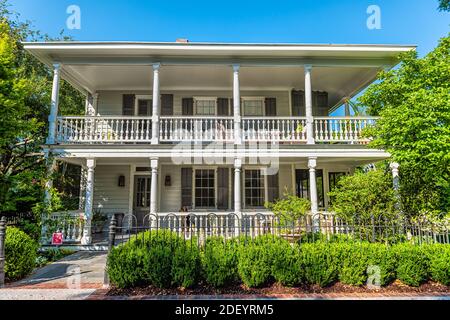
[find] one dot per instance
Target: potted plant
(98, 221)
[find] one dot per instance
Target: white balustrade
(342, 129)
(281, 129)
(194, 128)
(70, 224)
(127, 129)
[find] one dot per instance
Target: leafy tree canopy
(414, 104)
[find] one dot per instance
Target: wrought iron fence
(309, 228)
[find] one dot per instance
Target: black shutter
(271, 106)
(298, 103)
(320, 103)
(222, 188)
(187, 105)
(186, 187)
(222, 107)
(273, 187)
(128, 104)
(231, 107)
(167, 104)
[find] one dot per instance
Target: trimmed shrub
(439, 257)
(286, 266)
(381, 256)
(186, 265)
(219, 261)
(354, 259)
(320, 263)
(412, 264)
(255, 260)
(125, 266)
(21, 253)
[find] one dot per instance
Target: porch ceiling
(341, 70)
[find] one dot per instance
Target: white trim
(250, 98)
(205, 98)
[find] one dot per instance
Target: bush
(219, 262)
(125, 266)
(382, 256)
(412, 264)
(21, 253)
(354, 259)
(286, 266)
(439, 257)
(186, 265)
(255, 260)
(320, 263)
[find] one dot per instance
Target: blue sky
(301, 21)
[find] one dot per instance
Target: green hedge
(162, 259)
(20, 252)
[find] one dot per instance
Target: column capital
(394, 166)
(236, 67)
(308, 67)
(90, 163)
(237, 163)
(312, 163)
(56, 66)
(154, 163)
(156, 66)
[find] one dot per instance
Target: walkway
(74, 277)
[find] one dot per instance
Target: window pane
(204, 188)
(254, 188)
(253, 107)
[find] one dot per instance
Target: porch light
(167, 181)
(122, 181)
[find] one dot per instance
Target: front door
(141, 202)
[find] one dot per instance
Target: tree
(444, 5)
(414, 104)
(24, 98)
(364, 195)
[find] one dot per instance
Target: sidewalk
(74, 277)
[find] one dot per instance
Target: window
(205, 195)
(334, 178)
(143, 192)
(253, 106)
(205, 106)
(302, 185)
(254, 188)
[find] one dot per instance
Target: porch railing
(70, 224)
(195, 128)
(124, 129)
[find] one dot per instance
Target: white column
(83, 177)
(156, 104)
(54, 105)
(312, 163)
(308, 105)
(237, 187)
(154, 186)
(91, 104)
(89, 201)
(395, 177)
(51, 166)
(236, 105)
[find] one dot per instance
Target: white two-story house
(209, 127)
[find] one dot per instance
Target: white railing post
(54, 105)
(312, 164)
(237, 105)
(88, 206)
(154, 185)
(308, 105)
(156, 104)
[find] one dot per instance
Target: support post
(237, 105)
(51, 167)
(111, 241)
(156, 104)
(2, 251)
(237, 194)
(396, 182)
(308, 105)
(154, 186)
(54, 105)
(89, 202)
(312, 164)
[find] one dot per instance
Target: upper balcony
(233, 93)
(135, 129)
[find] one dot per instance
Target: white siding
(108, 196)
(285, 179)
(170, 197)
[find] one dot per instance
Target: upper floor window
(253, 106)
(205, 106)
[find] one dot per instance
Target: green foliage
(412, 264)
(439, 256)
(20, 252)
(286, 266)
(52, 255)
(289, 209)
(219, 262)
(413, 102)
(320, 263)
(444, 5)
(125, 266)
(364, 195)
(381, 256)
(186, 265)
(355, 260)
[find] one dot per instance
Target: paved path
(73, 277)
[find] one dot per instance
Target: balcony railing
(127, 129)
